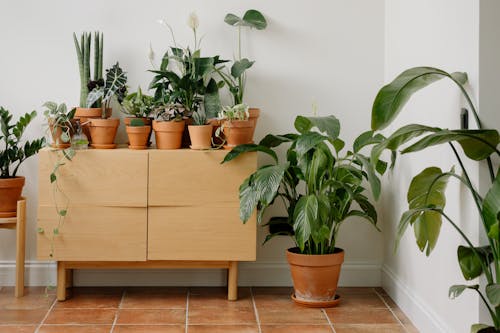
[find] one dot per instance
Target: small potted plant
(138, 106)
(169, 125)
(138, 134)
(14, 153)
(200, 132)
(103, 130)
(319, 188)
(60, 123)
(236, 126)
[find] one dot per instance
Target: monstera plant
(426, 195)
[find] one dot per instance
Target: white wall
(326, 51)
(442, 34)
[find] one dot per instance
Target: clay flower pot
(237, 132)
(201, 136)
(85, 114)
(315, 277)
(147, 122)
(168, 134)
(10, 192)
(103, 133)
(138, 136)
(57, 142)
(254, 116)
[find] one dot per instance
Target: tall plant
(83, 52)
(114, 86)
(426, 194)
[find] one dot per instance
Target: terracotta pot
(103, 132)
(254, 116)
(147, 122)
(315, 277)
(138, 136)
(201, 136)
(216, 123)
(10, 192)
(85, 114)
(237, 132)
(57, 142)
(168, 134)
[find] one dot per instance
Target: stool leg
(20, 247)
(232, 281)
(61, 281)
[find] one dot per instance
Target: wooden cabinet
(149, 208)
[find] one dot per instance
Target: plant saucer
(103, 146)
(137, 147)
(317, 304)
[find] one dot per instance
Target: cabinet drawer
(111, 177)
(200, 233)
(189, 177)
(94, 234)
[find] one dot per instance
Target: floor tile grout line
(118, 312)
(187, 310)
(329, 321)
(390, 309)
(256, 312)
(46, 315)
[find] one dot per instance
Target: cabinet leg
(232, 281)
(20, 247)
(61, 281)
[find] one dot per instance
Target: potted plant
(138, 134)
(426, 194)
(235, 125)
(200, 132)
(61, 123)
(235, 78)
(103, 130)
(138, 106)
(83, 46)
(333, 183)
(14, 153)
(169, 126)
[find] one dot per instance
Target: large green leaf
(371, 175)
(491, 209)
(365, 139)
(307, 141)
(472, 260)
(240, 66)
(249, 147)
(272, 140)
(248, 199)
(392, 97)
(481, 328)
(493, 294)
(329, 125)
(203, 66)
(477, 144)
(254, 19)
(305, 218)
(317, 168)
(232, 19)
(458, 289)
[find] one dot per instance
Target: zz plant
(426, 194)
(334, 183)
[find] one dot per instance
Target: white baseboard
(414, 307)
(250, 274)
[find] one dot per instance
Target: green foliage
(14, 153)
(252, 18)
(199, 118)
(137, 123)
(59, 117)
(334, 188)
(426, 195)
(138, 104)
(83, 48)
(236, 112)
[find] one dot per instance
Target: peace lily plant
(426, 194)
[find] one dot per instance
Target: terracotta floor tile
(223, 329)
(149, 329)
(21, 317)
(81, 316)
(75, 329)
(92, 301)
(202, 298)
(224, 316)
(280, 302)
(300, 316)
(360, 301)
(159, 300)
(18, 329)
(296, 329)
(356, 290)
(272, 290)
(343, 315)
(97, 290)
(158, 317)
(28, 290)
(30, 301)
(157, 290)
(363, 328)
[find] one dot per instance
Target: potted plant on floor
(235, 125)
(14, 153)
(200, 132)
(235, 77)
(103, 130)
(333, 183)
(61, 123)
(426, 194)
(83, 46)
(138, 106)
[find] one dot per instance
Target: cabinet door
(106, 196)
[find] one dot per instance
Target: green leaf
(365, 139)
(248, 199)
(63, 212)
(493, 294)
(272, 140)
(240, 66)
(40, 230)
(338, 145)
(392, 98)
(371, 175)
(232, 19)
(491, 208)
(249, 147)
(307, 141)
(254, 19)
(56, 231)
(470, 263)
(458, 289)
(329, 125)
(480, 328)
(53, 177)
(137, 122)
(203, 66)
(305, 218)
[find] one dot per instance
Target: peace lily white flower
(162, 22)
(193, 21)
(151, 54)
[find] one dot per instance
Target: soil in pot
(103, 133)
(10, 192)
(138, 136)
(147, 122)
(237, 132)
(254, 116)
(85, 114)
(201, 136)
(315, 277)
(168, 134)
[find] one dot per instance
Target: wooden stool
(19, 223)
